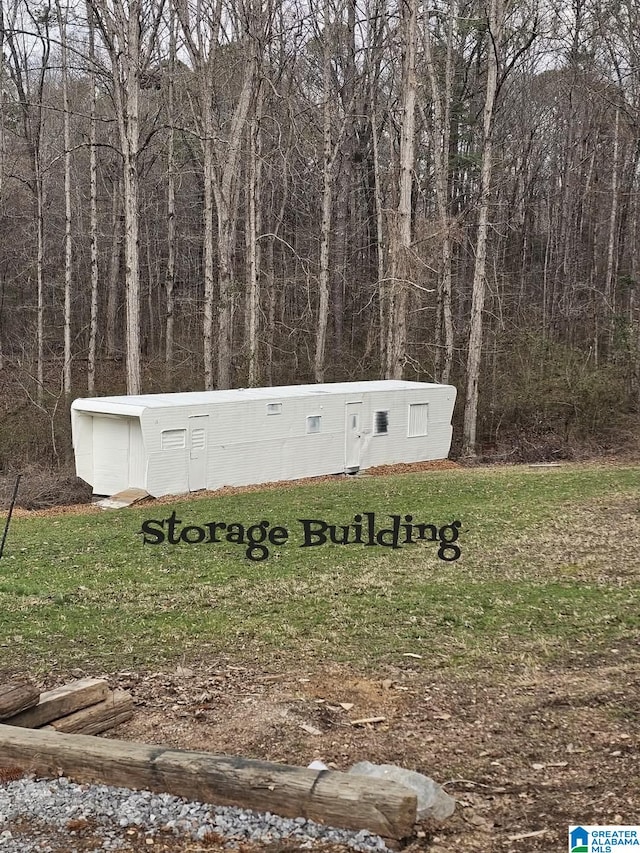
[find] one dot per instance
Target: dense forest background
(220, 193)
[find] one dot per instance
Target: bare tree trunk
(201, 40)
(344, 172)
(226, 197)
(634, 302)
(68, 248)
(121, 35)
(400, 237)
(129, 130)
(339, 274)
(380, 259)
(225, 287)
(39, 189)
(208, 172)
(1, 323)
(254, 178)
(113, 279)
(495, 23)
(441, 100)
(37, 137)
(374, 61)
(121, 26)
(93, 212)
(31, 100)
(270, 272)
(220, 171)
(270, 284)
(609, 288)
(327, 196)
(2, 138)
(131, 242)
(153, 280)
(330, 150)
(170, 276)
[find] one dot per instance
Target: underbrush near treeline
(41, 487)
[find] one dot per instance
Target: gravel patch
(61, 805)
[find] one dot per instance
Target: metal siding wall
(248, 446)
(397, 446)
(167, 471)
(137, 461)
(83, 445)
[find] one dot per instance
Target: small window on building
(313, 424)
(274, 408)
(380, 423)
(173, 439)
(418, 417)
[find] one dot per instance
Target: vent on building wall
(173, 439)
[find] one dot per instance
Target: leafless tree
(129, 30)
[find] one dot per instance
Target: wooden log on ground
(326, 796)
(104, 715)
(16, 696)
(60, 702)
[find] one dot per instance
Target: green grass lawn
(549, 565)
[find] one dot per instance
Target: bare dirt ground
(525, 753)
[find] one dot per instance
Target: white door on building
(198, 442)
(353, 436)
(110, 454)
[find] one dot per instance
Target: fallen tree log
(104, 715)
(16, 696)
(60, 702)
(326, 796)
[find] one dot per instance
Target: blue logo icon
(579, 840)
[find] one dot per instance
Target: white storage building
(177, 443)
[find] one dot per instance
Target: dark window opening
(381, 423)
